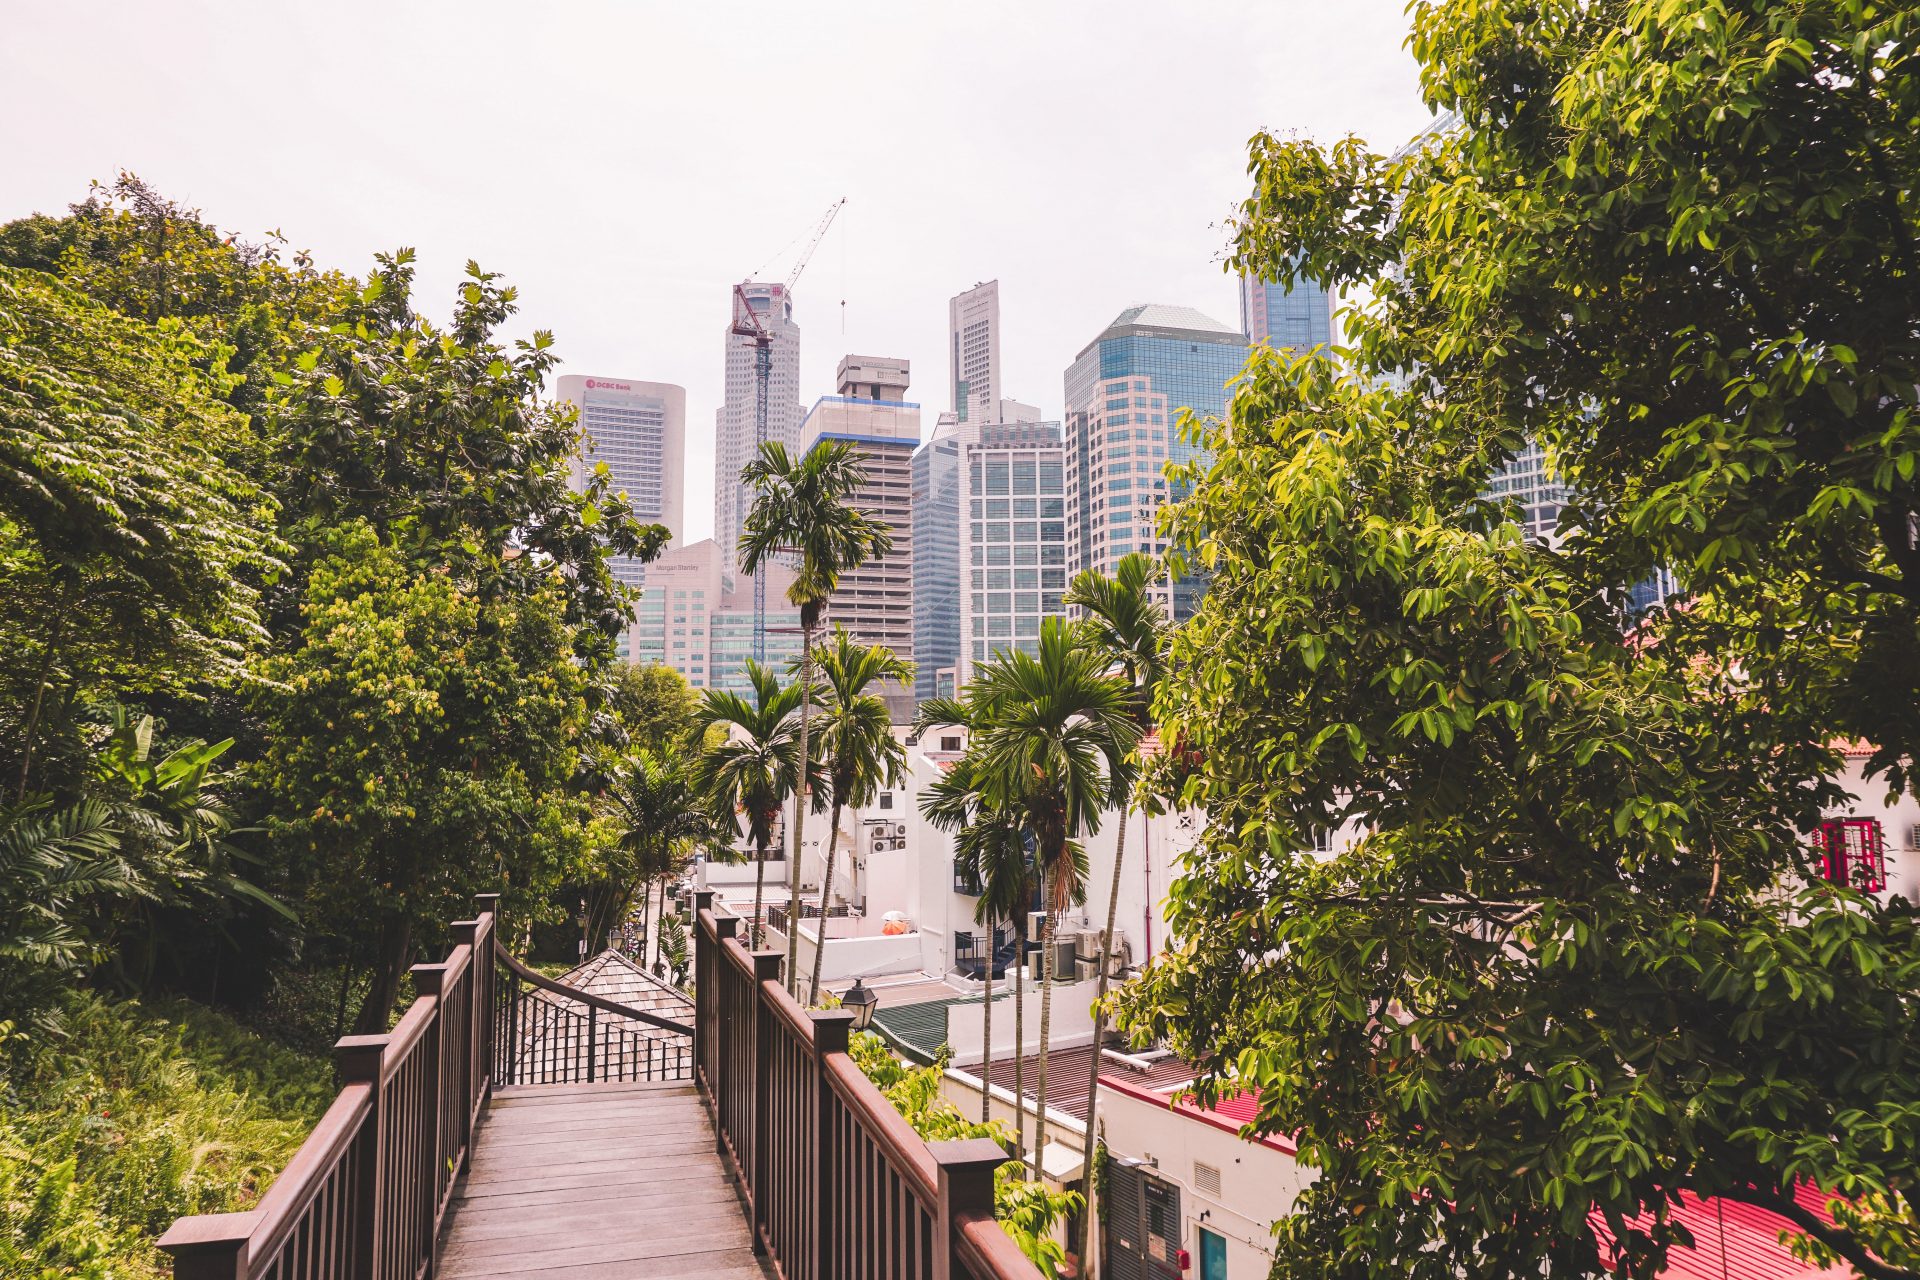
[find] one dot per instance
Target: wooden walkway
(597, 1182)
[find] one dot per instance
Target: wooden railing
(364, 1195)
(550, 1033)
(838, 1186)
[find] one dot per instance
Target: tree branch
(1833, 1237)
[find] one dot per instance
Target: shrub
(134, 1117)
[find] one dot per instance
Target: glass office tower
(1124, 394)
(936, 558)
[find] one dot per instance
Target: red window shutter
(1853, 852)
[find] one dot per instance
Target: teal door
(1213, 1256)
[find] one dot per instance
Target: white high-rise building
(639, 430)
(1013, 539)
(734, 443)
(973, 329)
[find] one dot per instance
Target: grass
(137, 1115)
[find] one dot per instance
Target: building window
(1851, 851)
(886, 799)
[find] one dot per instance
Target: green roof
(917, 1030)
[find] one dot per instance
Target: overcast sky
(624, 161)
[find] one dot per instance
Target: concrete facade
(973, 334)
(875, 602)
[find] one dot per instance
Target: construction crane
(746, 324)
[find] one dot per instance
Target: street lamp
(861, 1003)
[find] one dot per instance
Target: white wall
(962, 1089)
(737, 873)
(862, 957)
(1072, 1022)
(1258, 1183)
(1897, 821)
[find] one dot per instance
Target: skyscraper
(1013, 539)
(1295, 318)
(693, 619)
(936, 559)
(871, 411)
(639, 430)
(1124, 393)
(973, 331)
(734, 443)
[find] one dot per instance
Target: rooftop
(1158, 319)
(1067, 1076)
(1732, 1239)
(612, 976)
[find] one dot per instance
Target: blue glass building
(936, 562)
(1295, 318)
(1124, 393)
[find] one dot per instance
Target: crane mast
(746, 324)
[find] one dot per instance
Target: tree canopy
(1571, 959)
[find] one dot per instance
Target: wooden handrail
(834, 1178)
(365, 1193)
(280, 1208)
(601, 1003)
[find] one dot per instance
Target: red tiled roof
(1732, 1241)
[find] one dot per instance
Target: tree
(443, 442)
(1121, 623)
(658, 811)
(128, 546)
(653, 706)
(422, 750)
(1578, 963)
(1048, 730)
(992, 847)
(859, 753)
(752, 771)
(800, 508)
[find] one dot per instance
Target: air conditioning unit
(1063, 959)
(1036, 925)
(1086, 970)
(899, 831)
(1087, 945)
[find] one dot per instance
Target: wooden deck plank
(596, 1182)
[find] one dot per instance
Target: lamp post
(860, 1002)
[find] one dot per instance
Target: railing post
(487, 908)
(723, 929)
(362, 1060)
(210, 1246)
(467, 933)
(593, 1026)
(431, 980)
(831, 1029)
(964, 1191)
(766, 968)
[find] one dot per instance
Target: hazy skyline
(624, 164)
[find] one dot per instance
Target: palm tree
(857, 747)
(756, 767)
(659, 809)
(991, 846)
(800, 508)
(1048, 729)
(1122, 623)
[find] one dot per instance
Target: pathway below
(597, 1182)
